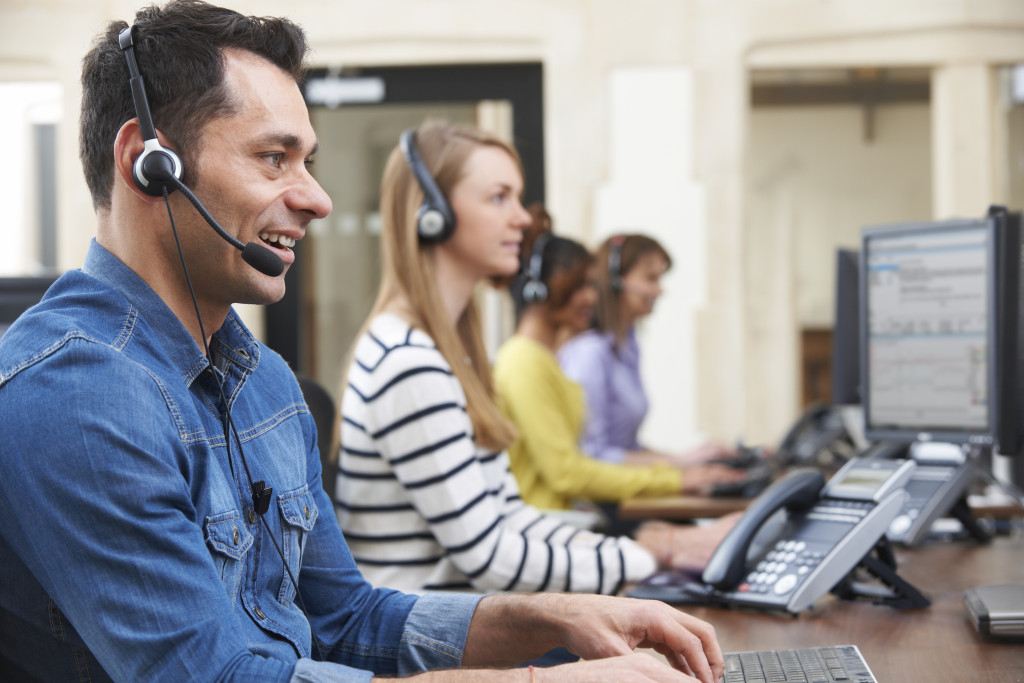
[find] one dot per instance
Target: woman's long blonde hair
(408, 271)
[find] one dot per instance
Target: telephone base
(893, 590)
(962, 513)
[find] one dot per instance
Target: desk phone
(802, 538)
(937, 488)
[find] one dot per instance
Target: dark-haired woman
(555, 296)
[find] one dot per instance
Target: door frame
(521, 84)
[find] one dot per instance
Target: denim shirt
(129, 547)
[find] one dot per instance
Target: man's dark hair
(179, 48)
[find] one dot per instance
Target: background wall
(649, 125)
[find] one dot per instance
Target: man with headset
(161, 514)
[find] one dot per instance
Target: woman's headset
(435, 220)
(534, 290)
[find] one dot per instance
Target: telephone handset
(802, 538)
(796, 492)
(819, 438)
(814, 438)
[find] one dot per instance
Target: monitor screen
(929, 301)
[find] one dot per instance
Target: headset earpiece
(154, 168)
(157, 164)
(615, 262)
(435, 220)
(535, 291)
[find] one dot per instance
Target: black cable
(259, 493)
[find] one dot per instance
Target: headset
(435, 220)
(157, 171)
(534, 290)
(156, 165)
(615, 262)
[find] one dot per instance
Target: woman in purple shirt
(605, 360)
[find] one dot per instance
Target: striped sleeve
(415, 491)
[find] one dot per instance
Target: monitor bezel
(985, 436)
(846, 379)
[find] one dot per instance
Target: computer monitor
(939, 317)
(18, 294)
(846, 332)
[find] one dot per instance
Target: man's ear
(128, 146)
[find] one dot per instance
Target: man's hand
(598, 626)
(632, 668)
(635, 668)
(509, 629)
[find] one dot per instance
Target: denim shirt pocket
(298, 515)
(229, 540)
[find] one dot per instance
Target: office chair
(321, 406)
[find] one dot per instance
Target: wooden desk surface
(679, 507)
(695, 507)
(937, 644)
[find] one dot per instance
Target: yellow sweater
(548, 410)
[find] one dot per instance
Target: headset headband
(435, 220)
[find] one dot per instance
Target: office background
(752, 137)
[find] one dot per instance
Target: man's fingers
(691, 639)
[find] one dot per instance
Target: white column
(963, 134)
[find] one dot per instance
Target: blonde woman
(424, 492)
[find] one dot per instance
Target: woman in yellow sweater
(555, 298)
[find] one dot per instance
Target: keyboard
(756, 480)
(841, 663)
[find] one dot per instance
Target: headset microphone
(256, 255)
(158, 169)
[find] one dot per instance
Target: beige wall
(583, 44)
(815, 178)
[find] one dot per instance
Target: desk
(680, 508)
(937, 644)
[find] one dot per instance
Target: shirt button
(243, 353)
(305, 509)
(234, 530)
(259, 613)
(252, 516)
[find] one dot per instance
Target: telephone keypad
(782, 568)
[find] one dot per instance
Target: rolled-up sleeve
(435, 632)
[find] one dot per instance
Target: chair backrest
(321, 405)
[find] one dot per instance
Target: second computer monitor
(938, 327)
(846, 334)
